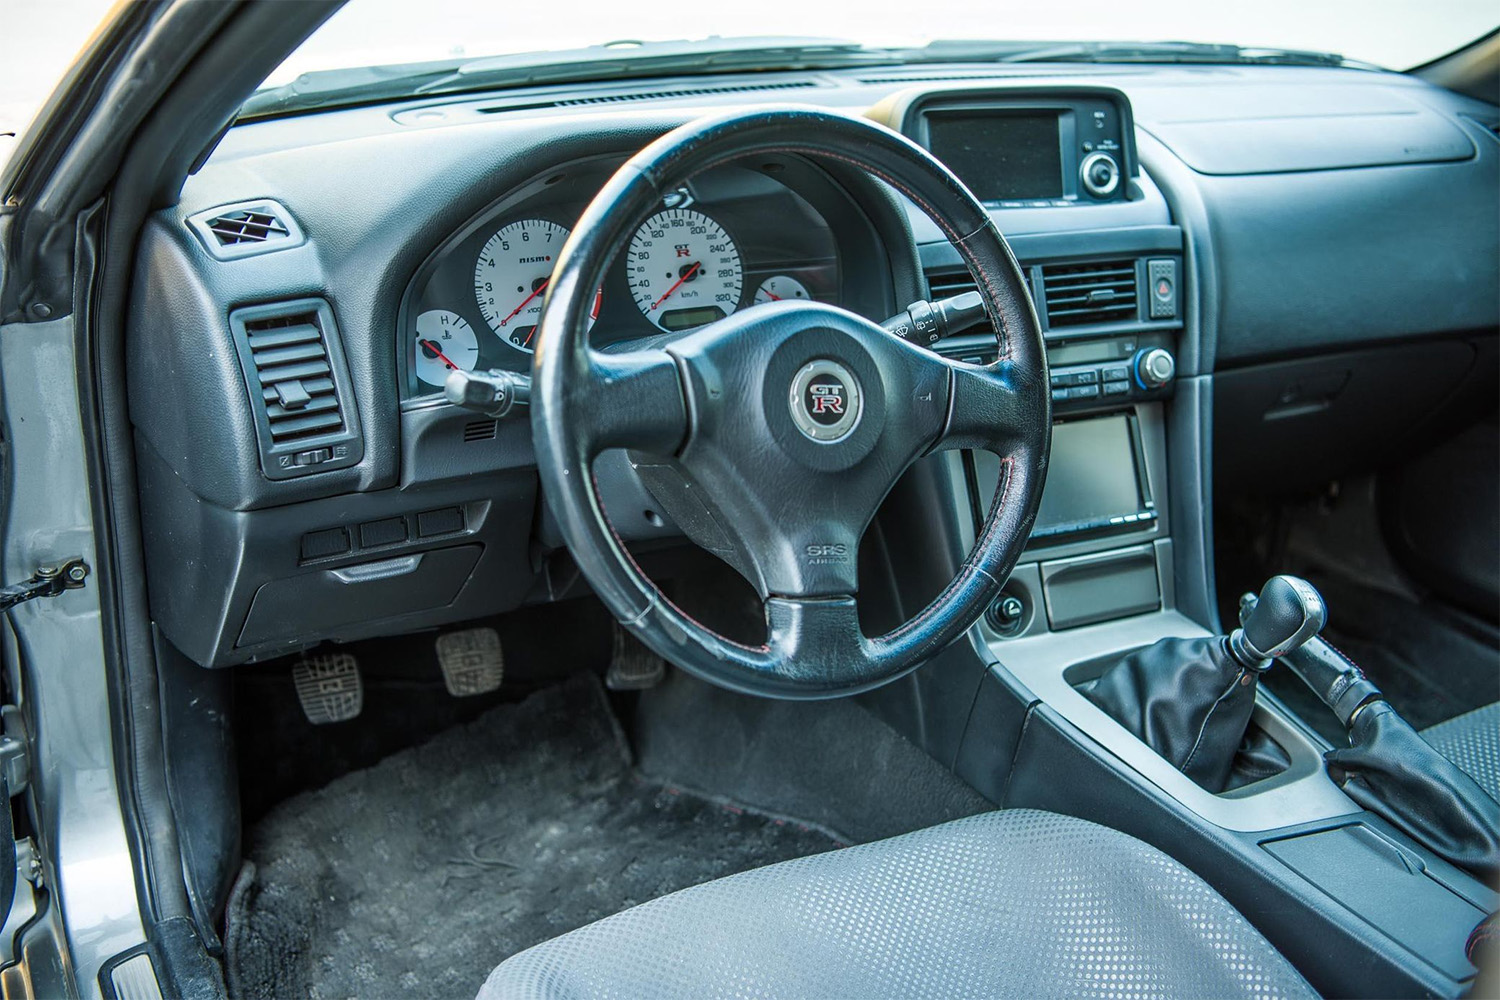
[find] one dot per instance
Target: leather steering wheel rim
(714, 395)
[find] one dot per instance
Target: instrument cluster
(731, 238)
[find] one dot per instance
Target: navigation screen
(1092, 472)
(1000, 155)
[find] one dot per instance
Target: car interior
(961, 527)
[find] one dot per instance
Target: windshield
(1395, 34)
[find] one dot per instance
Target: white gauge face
(511, 276)
(779, 287)
(445, 341)
(684, 270)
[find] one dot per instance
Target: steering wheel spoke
(635, 400)
(986, 411)
(816, 639)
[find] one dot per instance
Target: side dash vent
(1094, 292)
(480, 430)
(233, 231)
(247, 227)
(294, 371)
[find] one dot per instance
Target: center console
(1119, 557)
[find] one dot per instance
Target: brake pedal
(632, 667)
(329, 687)
(472, 661)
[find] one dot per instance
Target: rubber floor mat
(419, 875)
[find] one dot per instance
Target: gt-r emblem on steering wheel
(825, 401)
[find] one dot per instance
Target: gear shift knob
(1288, 612)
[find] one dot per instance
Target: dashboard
(730, 238)
(292, 438)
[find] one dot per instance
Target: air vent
(480, 430)
(667, 95)
(1096, 292)
(943, 286)
(296, 381)
(295, 374)
(641, 95)
(247, 227)
(932, 77)
(233, 231)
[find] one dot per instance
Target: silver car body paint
(86, 859)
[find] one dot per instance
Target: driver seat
(1010, 903)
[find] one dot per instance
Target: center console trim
(1302, 794)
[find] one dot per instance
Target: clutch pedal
(472, 661)
(329, 687)
(632, 667)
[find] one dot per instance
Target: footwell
(417, 876)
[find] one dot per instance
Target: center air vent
(233, 231)
(1095, 292)
(294, 370)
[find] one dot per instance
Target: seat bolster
(1472, 741)
(1010, 903)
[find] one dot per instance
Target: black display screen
(1000, 155)
(1091, 474)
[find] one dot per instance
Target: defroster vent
(294, 371)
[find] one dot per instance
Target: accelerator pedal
(329, 687)
(472, 661)
(633, 667)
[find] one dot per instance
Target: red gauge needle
(593, 314)
(771, 295)
(534, 293)
(441, 356)
(678, 284)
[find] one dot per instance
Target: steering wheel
(795, 417)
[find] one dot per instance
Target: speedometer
(684, 270)
(511, 277)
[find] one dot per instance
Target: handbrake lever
(1387, 767)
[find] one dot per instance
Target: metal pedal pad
(633, 667)
(329, 687)
(472, 661)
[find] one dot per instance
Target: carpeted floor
(417, 876)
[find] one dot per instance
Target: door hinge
(49, 580)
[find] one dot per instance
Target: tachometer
(445, 341)
(684, 270)
(511, 276)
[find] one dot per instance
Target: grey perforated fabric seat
(1012, 903)
(1472, 741)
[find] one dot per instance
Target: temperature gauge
(445, 341)
(779, 287)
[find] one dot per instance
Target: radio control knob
(1155, 367)
(1101, 174)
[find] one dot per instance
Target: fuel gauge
(781, 286)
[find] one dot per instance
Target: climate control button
(1154, 368)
